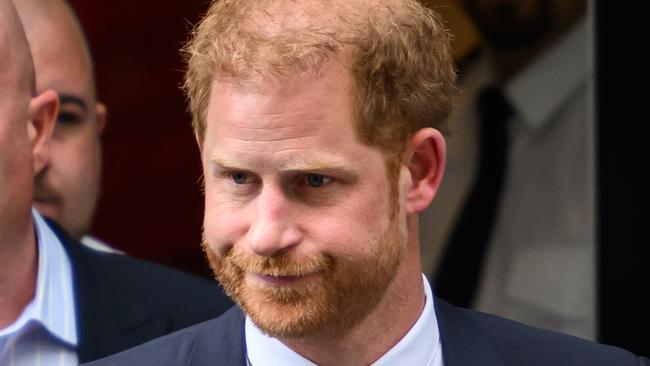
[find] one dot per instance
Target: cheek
(76, 156)
(224, 222)
(75, 170)
(350, 227)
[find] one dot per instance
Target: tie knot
(493, 105)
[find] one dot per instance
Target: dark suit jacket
(122, 302)
(468, 338)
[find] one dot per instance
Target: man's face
(67, 189)
(297, 225)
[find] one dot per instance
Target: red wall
(151, 206)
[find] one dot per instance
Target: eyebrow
(295, 164)
(72, 99)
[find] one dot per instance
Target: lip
(282, 280)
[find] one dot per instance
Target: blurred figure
(67, 188)
(26, 124)
(60, 302)
(520, 244)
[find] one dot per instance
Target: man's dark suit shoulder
(218, 341)
(122, 301)
(186, 298)
(468, 338)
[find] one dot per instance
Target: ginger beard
(341, 292)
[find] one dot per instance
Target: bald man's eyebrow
(73, 99)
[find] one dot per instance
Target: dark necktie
(460, 267)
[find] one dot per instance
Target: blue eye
(317, 180)
(239, 177)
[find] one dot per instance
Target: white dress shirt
(540, 264)
(99, 245)
(420, 346)
(45, 332)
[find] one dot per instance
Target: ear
(43, 110)
(100, 111)
(425, 159)
(198, 141)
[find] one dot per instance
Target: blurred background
(151, 205)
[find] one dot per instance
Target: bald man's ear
(43, 110)
(101, 111)
(424, 157)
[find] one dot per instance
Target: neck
(383, 328)
(18, 269)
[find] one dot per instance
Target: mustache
(276, 266)
(281, 266)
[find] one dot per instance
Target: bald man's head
(52, 25)
(68, 188)
(26, 124)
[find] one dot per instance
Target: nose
(273, 230)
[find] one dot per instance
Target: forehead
(322, 94)
(302, 116)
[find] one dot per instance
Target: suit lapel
(464, 342)
(111, 315)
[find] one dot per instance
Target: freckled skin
(290, 190)
(263, 131)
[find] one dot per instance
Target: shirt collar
(420, 346)
(541, 88)
(53, 305)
